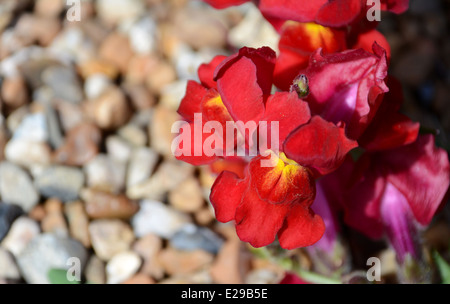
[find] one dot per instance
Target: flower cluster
(339, 145)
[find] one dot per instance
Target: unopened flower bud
(300, 85)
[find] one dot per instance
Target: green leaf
(443, 267)
(59, 276)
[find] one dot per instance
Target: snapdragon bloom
(275, 198)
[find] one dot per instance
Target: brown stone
(98, 66)
(54, 221)
(184, 262)
(204, 216)
(139, 68)
(3, 141)
(140, 96)
(33, 28)
(37, 213)
(148, 247)
(78, 222)
(160, 75)
(110, 110)
(187, 196)
(14, 92)
(116, 49)
(49, 8)
(100, 204)
(81, 145)
(139, 278)
(160, 133)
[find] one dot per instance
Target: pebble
(161, 74)
(32, 128)
(54, 221)
(64, 83)
(100, 204)
(262, 276)
(116, 11)
(110, 237)
(60, 182)
(22, 231)
(168, 176)
(110, 110)
(105, 173)
(172, 94)
(54, 131)
(8, 213)
(116, 50)
(158, 218)
(142, 163)
(139, 278)
(80, 146)
(139, 68)
(187, 196)
(16, 187)
(49, 8)
(133, 134)
(122, 267)
(118, 148)
(95, 85)
(160, 133)
(78, 222)
(142, 35)
(28, 153)
(70, 115)
(8, 267)
(204, 216)
(14, 92)
(30, 28)
(148, 248)
(95, 271)
(191, 237)
(184, 262)
(97, 66)
(140, 96)
(3, 140)
(46, 252)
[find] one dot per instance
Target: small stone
(95, 85)
(81, 145)
(54, 221)
(161, 136)
(105, 173)
(54, 131)
(70, 115)
(191, 237)
(95, 271)
(140, 96)
(172, 94)
(78, 222)
(16, 187)
(204, 216)
(116, 50)
(187, 196)
(139, 278)
(157, 218)
(46, 252)
(64, 83)
(138, 69)
(3, 141)
(37, 213)
(142, 163)
(148, 247)
(110, 237)
(177, 262)
(98, 66)
(142, 36)
(118, 148)
(161, 74)
(116, 11)
(133, 134)
(30, 28)
(100, 204)
(110, 110)
(168, 176)
(122, 267)
(15, 118)
(14, 92)
(49, 8)
(8, 213)
(60, 182)
(28, 153)
(8, 267)
(22, 231)
(32, 128)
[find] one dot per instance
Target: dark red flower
(418, 173)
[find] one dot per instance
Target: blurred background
(86, 109)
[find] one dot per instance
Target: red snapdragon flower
(268, 200)
(333, 13)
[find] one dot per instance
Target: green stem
(316, 278)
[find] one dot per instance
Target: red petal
(288, 110)
(237, 166)
(339, 12)
(301, 228)
(319, 145)
(347, 87)
(366, 40)
(297, 42)
(206, 71)
(421, 172)
(257, 221)
(219, 4)
(191, 103)
(395, 6)
(291, 10)
(226, 195)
